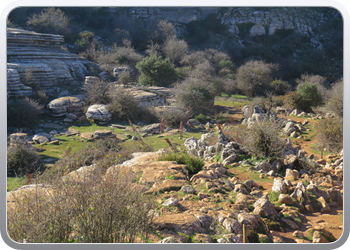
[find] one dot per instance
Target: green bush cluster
(193, 164)
(156, 72)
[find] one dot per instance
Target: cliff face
(271, 19)
(39, 61)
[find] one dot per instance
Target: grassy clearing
(313, 150)
(251, 175)
(230, 102)
(15, 182)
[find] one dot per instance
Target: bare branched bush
(194, 94)
(102, 152)
(202, 70)
(153, 48)
(254, 77)
(175, 49)
(264, 103)
(98, 93)
(167, 29)
(41, 97)
(212, 55)
(335, 100)
(173, 116)
(263, 140)
(50, 20)
(94, 209)
(124, 77)
(230, 86)
(124, 106)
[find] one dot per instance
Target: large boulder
(64, 105)
(264, 207)
(280, 186)
(98, 112)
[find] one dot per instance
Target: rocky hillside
(299, 39)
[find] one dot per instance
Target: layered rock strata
(14, 85)
(40, 61)
(64, 105)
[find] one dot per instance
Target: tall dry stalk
(181, 129)
(162, 125)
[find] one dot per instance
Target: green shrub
(280, 87)
(273, 196)
(193, 164)
(22, 158)
(306, 97)
(201, 118)
(156, 72)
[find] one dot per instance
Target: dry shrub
(330, 134)
(335, 101)
(194, 94)
(98, 93)
(22, 158)
(173, 116)
(175, 49)
(124, 105)
(236, 133)
(261, 139)
(93, 210)
(254, 77)
(124, 77)
(23, 112)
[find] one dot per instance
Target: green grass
(252, 175)
(319, 152)
(235, 101)
(15, 182)
(193, 165)
(273, 196)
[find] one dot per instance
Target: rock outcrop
(39, 60)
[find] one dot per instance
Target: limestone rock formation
(98, 112)
(64, 105)
(14, 85)
(40, 61)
